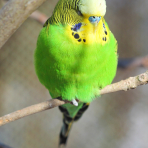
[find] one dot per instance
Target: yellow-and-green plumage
(76, 54)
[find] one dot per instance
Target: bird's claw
(74, 102)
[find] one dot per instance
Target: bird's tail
(67, 123)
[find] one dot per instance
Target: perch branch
(124, 85)
(13, 14)
(130, 83)
(31, 110)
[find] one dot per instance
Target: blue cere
(77, 27)
(94, 19)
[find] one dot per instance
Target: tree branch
(38, 16)
(124, 85)
(31, 110)
(130, 83)
(133, 62)
(13, 14)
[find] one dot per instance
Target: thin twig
(13, 14)
(124, 85)
(38, 16)
(130, 63)
(130, 83)
(139, 61)
(31, 110)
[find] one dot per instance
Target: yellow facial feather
(92, 7)
(88, 34)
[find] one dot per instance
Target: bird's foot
(74, 102)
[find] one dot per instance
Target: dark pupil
(79, 13)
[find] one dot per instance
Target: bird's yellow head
(92, 7)
(83, 20)
(93, 24)
(74, 11)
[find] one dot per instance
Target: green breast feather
(74, 70)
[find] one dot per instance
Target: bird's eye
(79, 13)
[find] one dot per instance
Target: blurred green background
(117, 120)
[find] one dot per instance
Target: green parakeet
(76, 56)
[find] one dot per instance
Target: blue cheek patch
(75, 33)
(94, 19)
(76, 27)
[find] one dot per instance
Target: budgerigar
(76, 56)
